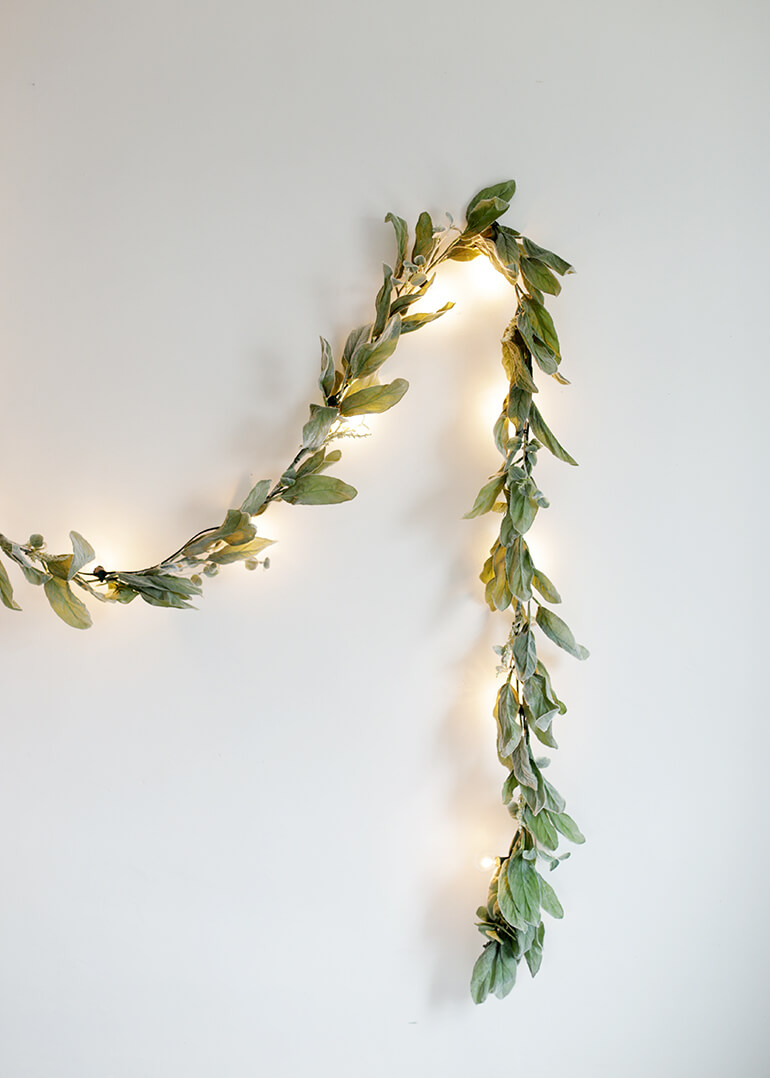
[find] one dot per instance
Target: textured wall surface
(245, 840)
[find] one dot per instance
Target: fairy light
(486, 863)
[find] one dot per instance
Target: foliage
(526, 706)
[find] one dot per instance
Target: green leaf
(462, 253)
(416, 321)
(520, 570)
(561, 634)
(503, 191)
(6, 590)
(541, 706)
(542, 828)
(525, 653)
(319, 462)
(374, 398)
(542, 323)
(486, 497)
(522, 505)
(564, 823)
(506, 970)
(483, 975)
(483, 214)
(538, 275)
(521, 764)
(326, 378)
(402, 240)
(515, 365)
(508, 908)
(544, 434)
(509, 733)
(256, 497)
(423, 243)
(519, 404)
(368, 358)
(533, 250)
(548, 899)
(545, 587)
(534, 954)
(231, 554)
(546, 360)
(382, 305)
(318, 490)
(357, 338)
(66, 604)
(318, 426)
(554, 802)
(82, 554)
(507, 251)
(525, 890)
(235, 529)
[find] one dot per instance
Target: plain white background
(245, 840)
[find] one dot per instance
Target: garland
(511, 921)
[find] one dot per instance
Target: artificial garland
(526, 703)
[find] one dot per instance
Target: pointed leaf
(561, 634)
(255, 499)
(543, 433)
(374, 398)
(486, 497)
(6, 590)
(66, 604)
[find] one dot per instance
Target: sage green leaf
(382, 304)
(66, 604)
(521, 764)
(525, 653)
(318, 490)
(374, 398)
(542, 323)
(561, 634)
(82, 554)
(503, 191)
(416, 321)
(402, 302)
(256, 498)
(515, 365)
(483, 975)
(509, 732)
(533, 250)
(534, 954)
(538, 275)
(548, 899)
(564, 823)
(462, 253)
(483, 214)
(545, 587)
(520, 570)
(58, 565)
(6, 590)
(368, 358)
(523, 881)
(545, 736)
(231, 554)
(357, 338)
(326, 377)
(319, 462)
(486, 497)
(522, 506)
(509, 788)
(546, 360)
(317, 428)
(507, 250)
(540, 705)
(235, 529)
(542, 828)
(423, 243)
(519, 404)
(402, 240)
(506, 970)
(544, 434)
(508, 909)
(554, 802)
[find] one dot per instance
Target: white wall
(244, 841)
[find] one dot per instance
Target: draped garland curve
(526, 705)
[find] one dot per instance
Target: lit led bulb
(486, 863)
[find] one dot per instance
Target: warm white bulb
(486, 863)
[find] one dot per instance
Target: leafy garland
(526, 702)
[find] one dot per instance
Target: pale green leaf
(374, 398)
(66, 604)
(318, 490)
(559, 632)
(256, 498)
(544, 434)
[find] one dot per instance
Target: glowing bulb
(486, 863)
(490, 404)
